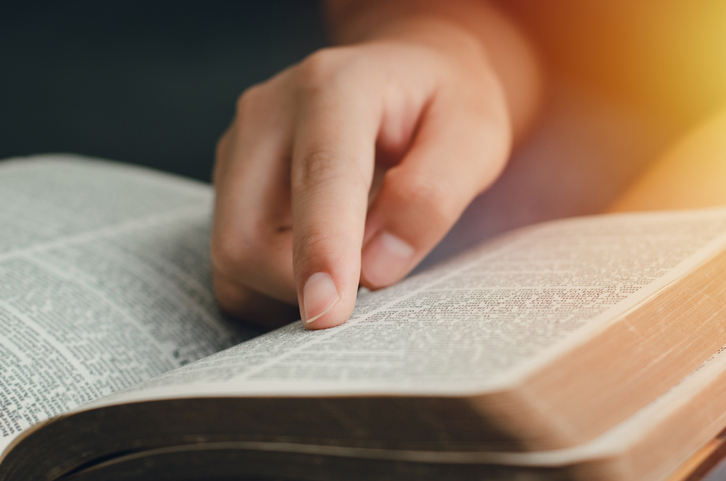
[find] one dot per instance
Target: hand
(349, 168)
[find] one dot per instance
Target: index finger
(332, 167)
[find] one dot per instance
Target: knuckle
(230, 253)
(426, 197)
(473, 47)
(307, 244)
(319, 167)
(319, 67)
(331, 69)
(250, 101)
(492, 139)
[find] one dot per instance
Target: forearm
(506, 49)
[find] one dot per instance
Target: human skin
(348, 168)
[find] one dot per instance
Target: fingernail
(319, 296)
(386, 259)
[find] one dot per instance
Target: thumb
(457, 153)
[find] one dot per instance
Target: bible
(584, 348)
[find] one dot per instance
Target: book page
(475, 324)
(692, 412)
(104, 283)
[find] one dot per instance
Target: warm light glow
(667, 54)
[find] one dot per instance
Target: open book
(588, 348)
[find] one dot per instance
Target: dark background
(145, 82)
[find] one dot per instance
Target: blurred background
(151, 83)
(155, 84)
